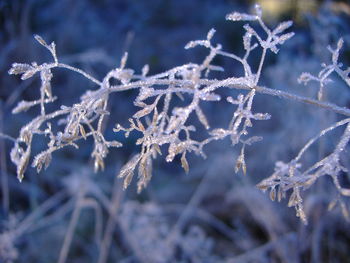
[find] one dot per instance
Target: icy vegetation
(171, 111)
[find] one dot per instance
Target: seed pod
(184, 163)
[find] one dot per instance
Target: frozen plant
(290, 175)
(162, 125)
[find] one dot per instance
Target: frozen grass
(166, 129)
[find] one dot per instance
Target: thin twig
(71, 228)
(285, 95)
(86, 75)
(263, 90)
(111, 223)
(30, 220)
(189, 209)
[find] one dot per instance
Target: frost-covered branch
(165, 126)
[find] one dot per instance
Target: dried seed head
(184, 163)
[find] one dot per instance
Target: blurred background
(69, 214)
